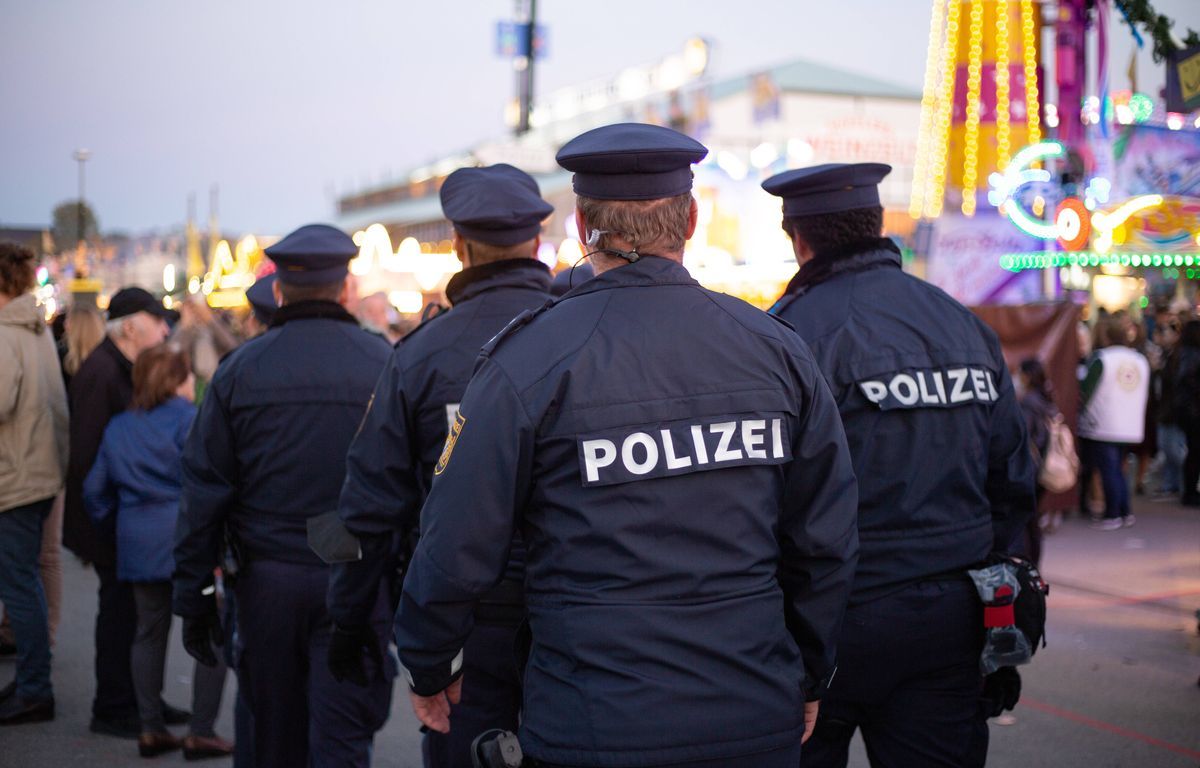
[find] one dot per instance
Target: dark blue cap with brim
(497, 204)
(631, 161)
(313, 254)
(829, 188)
(262, 298)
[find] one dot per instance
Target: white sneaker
(1128, 520)
(1107, 524)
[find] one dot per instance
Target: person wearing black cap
(265, 458)
(657, 446)
(101, 389)
(944, 469)
(261, 297)
(497, 213)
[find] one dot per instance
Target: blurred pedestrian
(133, 488)
(261, 298)
(377, 315)
(262, 466)
(1187, 399)
(204, 337)
(33, 444)
(944, 471)
(496, 213)
(1172, 441)
(101, 389)
(1114, 391)
(82, 333)
(1040, 411)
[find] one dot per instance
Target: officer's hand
(810, 718)
(1001, 690)
(346, 646)
(434, 711)
(200, 634)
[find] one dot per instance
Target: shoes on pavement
(1190, 501)
(16, 710)
(8, 648)
(1108, 524)
(204, 747)
(8, 690)
(152, 744)
(175, 715)
(128, 727)
(1129, 520)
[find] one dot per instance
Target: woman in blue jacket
(134, 487)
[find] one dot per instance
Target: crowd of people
(581, 573)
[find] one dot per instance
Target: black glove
(200, 634)
(346, 646)
(1001, 691)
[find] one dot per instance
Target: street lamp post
(81, 157)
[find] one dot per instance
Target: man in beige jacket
(33, 459)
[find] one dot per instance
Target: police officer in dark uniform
(677, 469)
(265, 458)
(497, 213)
(944, 470)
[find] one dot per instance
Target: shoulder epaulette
(514, 325)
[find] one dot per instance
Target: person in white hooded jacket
(33, 460)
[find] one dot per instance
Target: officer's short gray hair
(647, 225)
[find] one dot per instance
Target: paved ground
(1117, 685)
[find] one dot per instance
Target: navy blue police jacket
(268, 448)
(678, 471)
(945, 474)
(390, 465)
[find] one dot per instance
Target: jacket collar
(646, 271)
(875, 254)
(112, 350)
(23, 311)
(510, 273)
(312, 310)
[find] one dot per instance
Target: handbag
(1060, 466)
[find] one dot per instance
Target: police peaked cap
(313, 254)
(829, 188)
(631, 161)
(497, 204)
(262, 298)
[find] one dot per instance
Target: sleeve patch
(452, 436)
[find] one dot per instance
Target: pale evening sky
(284, 102)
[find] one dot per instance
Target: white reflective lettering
(979, 382)
(752, 437)
(726, 430)
(698, 442)
(992, 387)
(959, 393)
(777, 438)
(875, 391)
(941, 386)
(927, 397)
(903, 380)
(673, 462)
(644, 440)
(597, 454)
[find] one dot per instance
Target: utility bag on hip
(1014, 610)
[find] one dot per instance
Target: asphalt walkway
(1117, 685)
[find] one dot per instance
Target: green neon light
(1019, 262)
